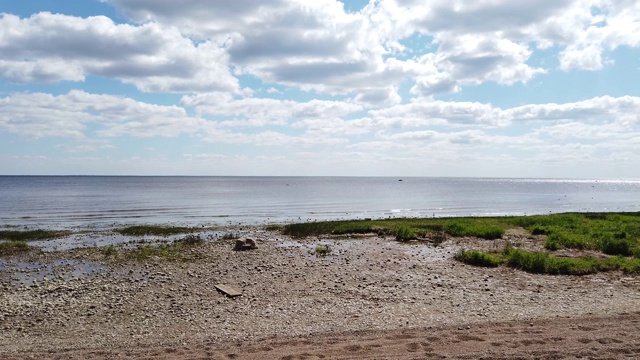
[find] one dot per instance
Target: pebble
(286, 293)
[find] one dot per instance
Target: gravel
(86, 300)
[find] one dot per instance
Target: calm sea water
(95, 202)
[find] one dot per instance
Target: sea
(104, 202)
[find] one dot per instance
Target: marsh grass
(155, 230)
(614, 234)
(178, 250)
(474, 227)
(404, 229)
(13, 247)
(32, 235)
(479, 258)
(610, 233)
(541, 262)
(274, 227)
(405, 233)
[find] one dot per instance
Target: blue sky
(496, 88)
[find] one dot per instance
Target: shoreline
(366, 285)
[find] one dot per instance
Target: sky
(477, 88)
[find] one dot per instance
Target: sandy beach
(371, 297)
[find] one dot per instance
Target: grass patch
(155, 230)
(610, 233)
(322, 250)
(110, 250)
(13, 247)
(329, 227)
(403, 229)
(32, 235)
(479, 258)
(178, 250)
(405, 233)
(540, 262)
(274, 227)
(469, 227)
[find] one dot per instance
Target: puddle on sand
(22, 273)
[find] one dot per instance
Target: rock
(245, 244)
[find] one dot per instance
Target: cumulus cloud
(261, 111)
(44, 115)
(53, 47)
(473, 59)
(192, 45)
(384, 68)
(442, 112)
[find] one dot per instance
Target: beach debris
(245, 244)
(227, 290)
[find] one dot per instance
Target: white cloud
(383, 65)
(625, 109)
(43, 115)
(316, 45)
(441, 112)
(262, 111)
(52, 47)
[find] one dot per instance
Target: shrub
(478, 258)
(543, 263)
(405, 233)
(456, 229)
(612, 245)
(528, 261)
(539, 230)
(560, 240)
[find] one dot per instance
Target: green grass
(274, 227)
(405, 233)
(179, 250)
(479, 258)
(13, 247)
(613, 234)
(32, 235)
(541, 262)
(155, 230)
(322, 250)
(403, 229)
(474, 227)
(610, 233)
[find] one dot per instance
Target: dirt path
(578, 338)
